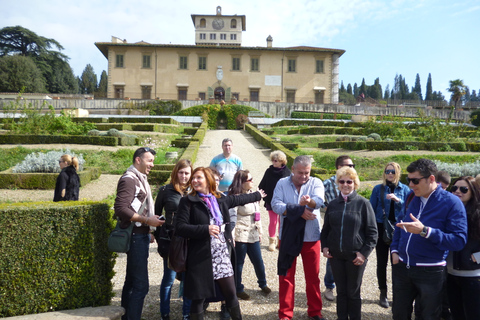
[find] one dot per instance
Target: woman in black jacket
(68, 182)
(167, 201)
(348, 236)
(275, 172)
(463, 280)
(204, 219)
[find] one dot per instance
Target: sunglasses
(345, 181)
(147, 149)
(463, 189)
(60, 161)
(415, 181)
(350, 165)
(249, 180)
(390, 171)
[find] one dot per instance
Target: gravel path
(256, 159)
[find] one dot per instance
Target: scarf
(145, 187)
(212, 205)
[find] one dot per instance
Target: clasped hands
(307, 213)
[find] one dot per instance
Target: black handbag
(119, 239)
(388, 226)
(177, 255)
(163, 236)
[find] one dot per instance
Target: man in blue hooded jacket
(434, 223)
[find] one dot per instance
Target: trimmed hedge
(54, 256)
(60, 139)
(289, 145)
(159, 177)
(45, 181)
(88, 119)
(298, 122)
(142, 120)
(319, 115)
(401, 145)
(268, 142)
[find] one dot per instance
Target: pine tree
(349, 89)
(363, 87)
(386, 95)
(418, 89)
(342, 88)
(88, 80)
(429, 92)
(102, 86)
(356, 92)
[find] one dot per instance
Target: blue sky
(382, 38)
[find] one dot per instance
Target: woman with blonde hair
(275, 172)
(67, 187)
(348, 236)
(387, 200)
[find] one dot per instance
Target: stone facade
(221, 70)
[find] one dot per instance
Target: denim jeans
(136, 284)
(328, 279)
(421, 283)
(166, 290)
(255, 255)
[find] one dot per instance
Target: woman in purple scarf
(203, 218)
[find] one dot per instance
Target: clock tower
(218, 29)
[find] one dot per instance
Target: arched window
(203, 23)
(233, 24)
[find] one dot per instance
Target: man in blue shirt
(227, 164)
(304, 193)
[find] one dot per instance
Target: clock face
(218, 24)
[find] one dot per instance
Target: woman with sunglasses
(67, 187)
(248, 231)
(203, 218)
(387, 200)
(463, 280)
(348, 236)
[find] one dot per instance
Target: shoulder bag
(388, 226)
(119, 239)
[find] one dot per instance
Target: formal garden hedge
(215, 111)
(54, 256)
(268, 142)
(8, 179)
(319, 115)
(152, 127)
(401, 145)
(67, 139)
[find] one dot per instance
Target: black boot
(196, 316)
(235, 312)
(383, 298)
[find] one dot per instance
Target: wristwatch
(424, 232)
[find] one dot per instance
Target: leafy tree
(88, 82)
(17, 72)
(457, 89)
(346, 98)
(429, 92)
(53, 64)
(102, 86)
(418, 88)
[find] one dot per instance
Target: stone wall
(274, 109)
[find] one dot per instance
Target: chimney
(269, 41)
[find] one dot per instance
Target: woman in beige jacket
(247, 234)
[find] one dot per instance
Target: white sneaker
(329, 294)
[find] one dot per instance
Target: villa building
(219, 67)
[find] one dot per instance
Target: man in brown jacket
(134, 204)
